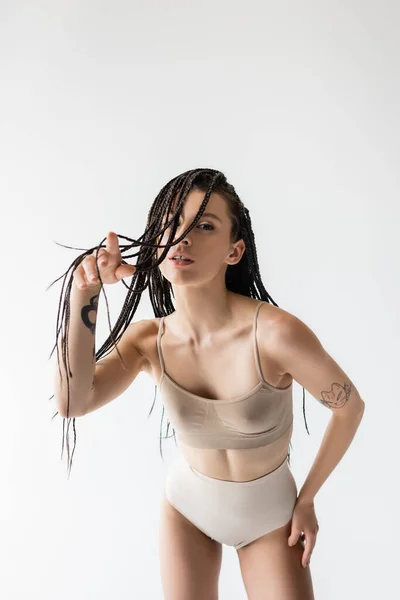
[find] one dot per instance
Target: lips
(178, 254)
(187, 259)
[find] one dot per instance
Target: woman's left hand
(304, 525)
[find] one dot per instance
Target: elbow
(63, 413)
(71, 413)
(360, 412)
(77, 399)
(73, 409)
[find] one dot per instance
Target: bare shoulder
(273, 324)
(273, 319)
(283, 325)
(143, 335)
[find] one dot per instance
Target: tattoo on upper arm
(92, 307)
(338, 396)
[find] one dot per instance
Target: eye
(206, 225)
(211, 228)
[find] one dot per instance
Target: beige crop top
(255, 419)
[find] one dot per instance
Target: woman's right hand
(109, 264)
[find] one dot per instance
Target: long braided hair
(242, 278)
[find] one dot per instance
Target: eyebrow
(209, 214)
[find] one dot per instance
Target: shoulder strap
(160, 332)
(256, 354)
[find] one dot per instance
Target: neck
(201, 312)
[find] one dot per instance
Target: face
(207, 244)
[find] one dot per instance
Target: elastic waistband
(224, 482)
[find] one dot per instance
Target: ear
(236, 255)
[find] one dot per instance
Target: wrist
(304, 500)
(88, 290)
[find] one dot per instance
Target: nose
(185, 240)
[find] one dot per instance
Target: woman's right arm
(94, 384)
(81, 345)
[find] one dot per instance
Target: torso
(223, 369)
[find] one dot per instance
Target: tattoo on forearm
(338, 396)
(92, 307)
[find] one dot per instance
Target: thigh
(272, 569)
(190, 561)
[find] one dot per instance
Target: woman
(224, 362)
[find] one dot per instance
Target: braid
(242, 278)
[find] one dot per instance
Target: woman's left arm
(299, 352)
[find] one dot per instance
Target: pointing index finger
(112, 246)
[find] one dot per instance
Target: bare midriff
(238, 465)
